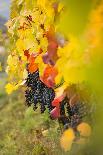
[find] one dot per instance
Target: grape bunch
(38, 93)
(71, 116)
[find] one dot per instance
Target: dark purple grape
(64, 120)
(32, 79)
(38, 94)
(75, 120)
(28, 96)
(42, 108)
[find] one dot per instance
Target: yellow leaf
(84, 129)
(60, 91)
(67, 139)
(70, 63)
(25, 74)
(44, 44)
(41, 64)
(58, 78)
(20, 45)
(9, 88)
(41, 3)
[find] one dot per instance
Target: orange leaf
(49, 75)
(32, 67)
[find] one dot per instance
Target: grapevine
(51, 64)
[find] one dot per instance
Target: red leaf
(57, 101)
(26, 53)
(52, 44)
(50, 34)
(55, 113)
(52, 48)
